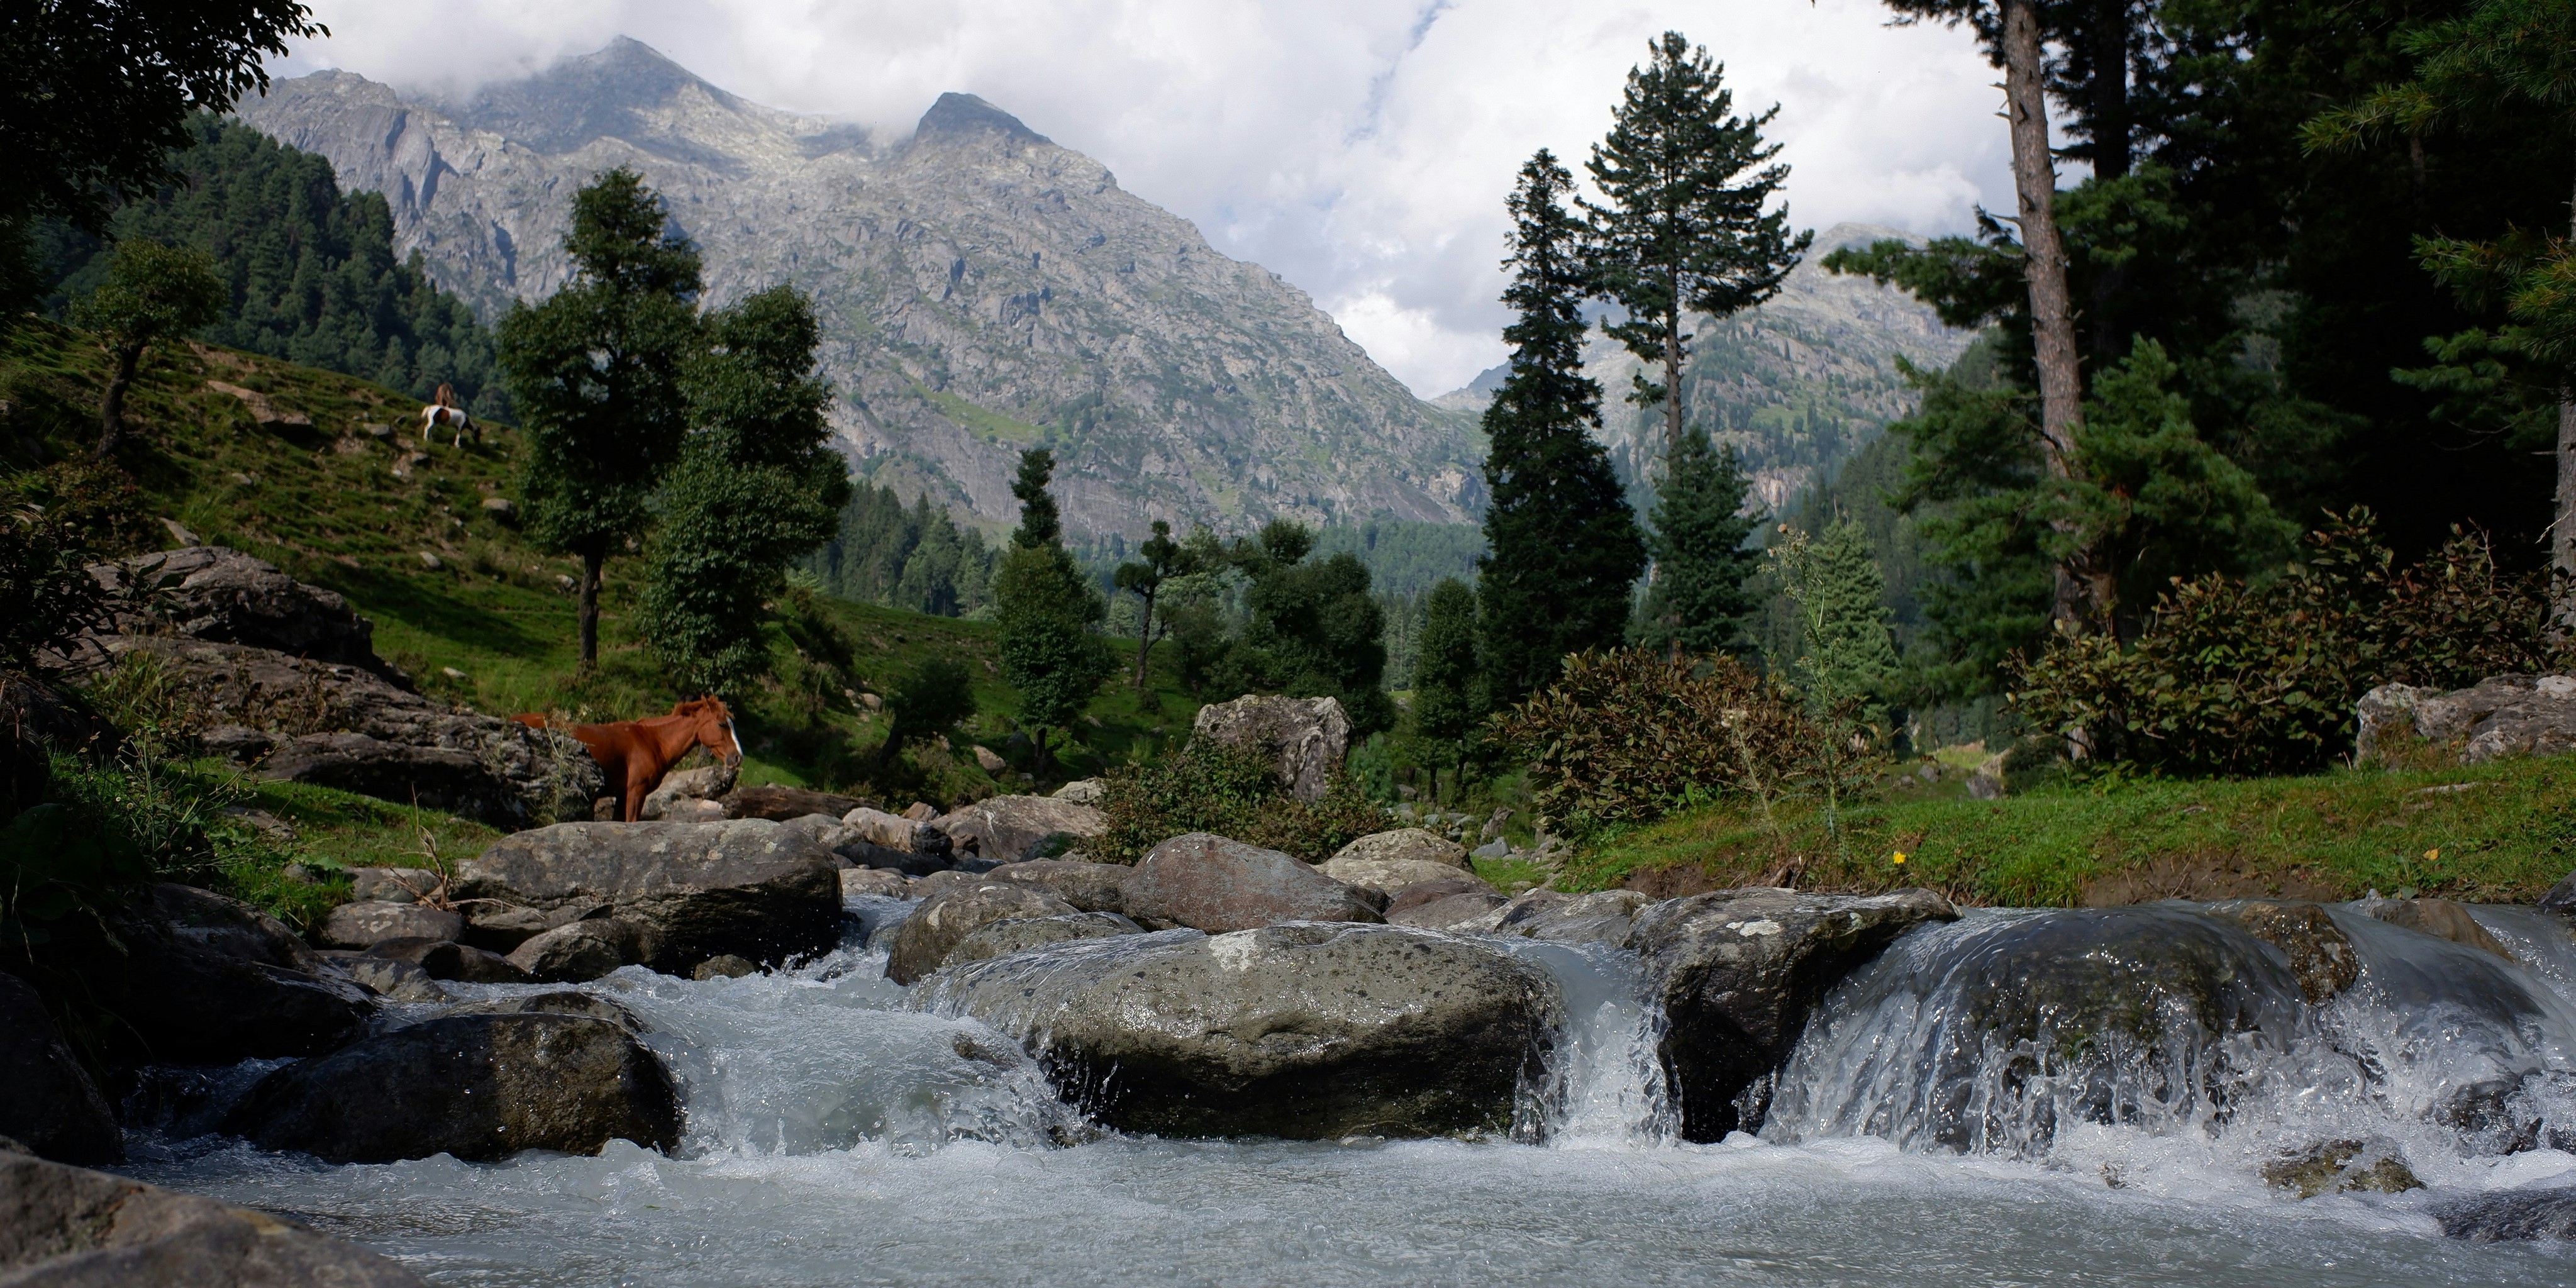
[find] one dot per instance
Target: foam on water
(838, 1136)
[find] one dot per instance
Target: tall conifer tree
(1046, 609)
(1701, 596)
(1683, 229)
(1446, 696)
(1562, 548)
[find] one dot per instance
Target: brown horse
(635, 754)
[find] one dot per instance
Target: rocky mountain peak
(965, 114)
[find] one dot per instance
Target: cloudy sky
(1360, 148)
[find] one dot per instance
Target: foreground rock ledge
(479, 1087)
(1737, 971)
(68, 1225)
(693, 891)
(1305, 1031)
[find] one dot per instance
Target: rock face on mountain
(984, 288)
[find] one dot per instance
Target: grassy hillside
(337, 490)
(2496, 833)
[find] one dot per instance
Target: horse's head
(714, 727)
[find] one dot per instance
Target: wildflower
(1900, 857)
(2433, 854)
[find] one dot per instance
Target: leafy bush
(1210, 786)
(2230, 678)
(1633, 734)
(54, 521)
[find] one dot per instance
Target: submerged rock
(479, 1087)
(2340, 1167)
(1736, 972)
(2440, 918)
(1206, 882)
(1310, 1031)
(1986, 1034)
(1307, 738)
(693, 890)
(448, 960)
(559, 1002)
(63, 1225)
(727, 966)
(2513, 1215)
(2320, 954)
(50, 1104)
(934, 930)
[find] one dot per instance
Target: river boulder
(1307, 739)
(934, 930)
(192, 977)
(1410, 844)
(1307, 1031)
(1738, 970)
(1386, 876)
(2500, 716)
(1442, 905)
(693, 890)
(479, 1087)
(2511, 1215)
(779, 804)
(1020, 934)
(1601, 917)
(70, 1226)
(559, 1002)
(1007, 829)
(1990, 1033)
(688, 788)
(578, 952)
(1092, 887)
(448, 960)
(2320, 954)
(1206, 882)
(366, 923)
(51, 1104)
(2440, 918)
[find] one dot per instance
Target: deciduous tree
(152, 292)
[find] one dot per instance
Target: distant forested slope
(313, 272)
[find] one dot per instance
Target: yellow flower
(1900, 856)
(2432, 854)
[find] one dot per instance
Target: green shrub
(1633, 734)
(1209, 786)
(2237, 679)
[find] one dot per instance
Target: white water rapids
(837, 1137)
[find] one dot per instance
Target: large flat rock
(1207, 882)
(73, 1227)
(746, 887)
(1307, 1031)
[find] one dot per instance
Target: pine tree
(1446, 697)
(1683, 229)
(1562, 547)
(594, 371)
(1701, 596)
(1046, 609)
(1847, 656)
(755, 488)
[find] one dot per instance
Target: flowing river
(838, 1136)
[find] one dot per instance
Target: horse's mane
(445, 397)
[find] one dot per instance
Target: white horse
(444, 411)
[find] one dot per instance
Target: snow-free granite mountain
(982, 290)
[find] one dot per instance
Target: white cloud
(1360, 148)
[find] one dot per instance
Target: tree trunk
(2562, 533)
(2052, 323)
(1672, 388)
(1043, 762)
(591, 564)
(111, 408)
(1144, 641)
